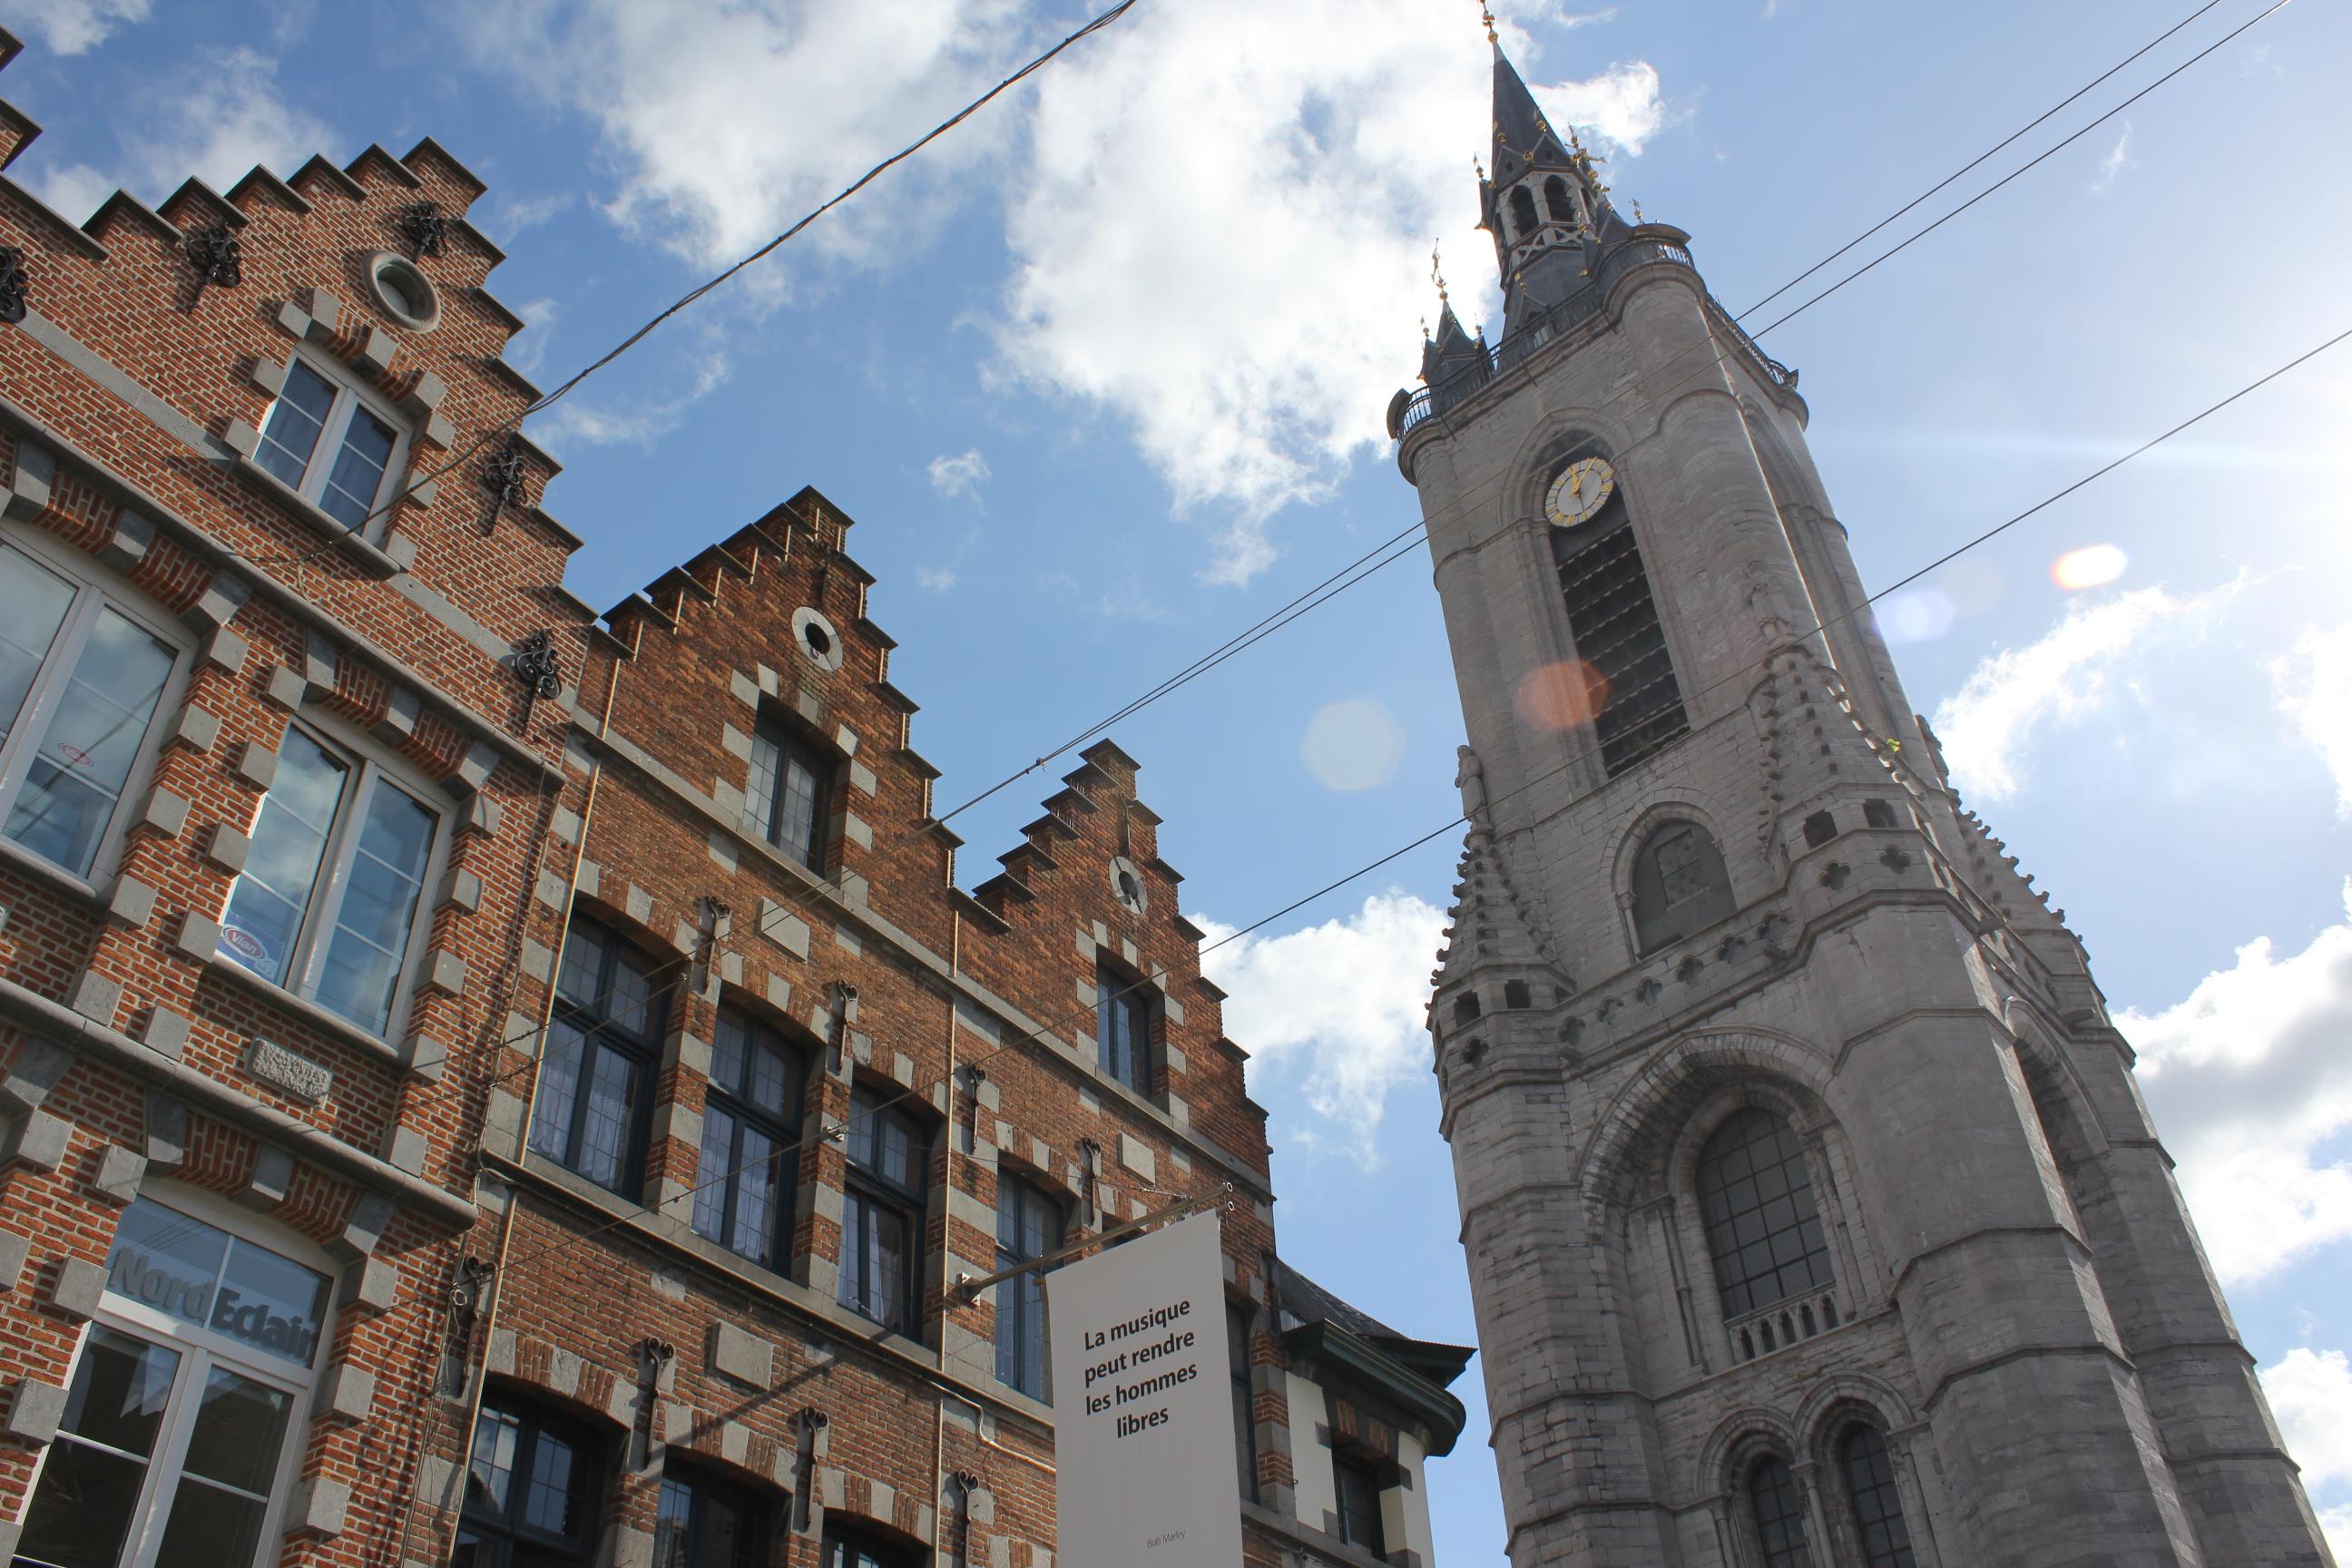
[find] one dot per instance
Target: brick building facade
(484, 1076)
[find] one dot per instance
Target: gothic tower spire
(1812, 1215)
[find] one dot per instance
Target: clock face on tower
(1582, 488)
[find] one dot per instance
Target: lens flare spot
(1562, 696)
(2093, 566)
(1352, 745)
(1916, 615)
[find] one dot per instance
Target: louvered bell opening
(1615, 623)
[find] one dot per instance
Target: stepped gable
(226, 287)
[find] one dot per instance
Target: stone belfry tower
(1813, 1217)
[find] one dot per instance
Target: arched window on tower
(1780, 1515)
(1680, 886)
(1877, 1504)
(1556, 200)
(1523, 212)
(1764, 1231)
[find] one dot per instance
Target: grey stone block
(347, 1394)
(320, 658)
(243, 438)
(269, 375)
(444, 972)
(163, 1032)
(226, 847)
(197, 728)
(362, 1232)
(14, 1251)
(324, 315)
(166, 812)
(30, 486)
(462, 889)
(425, 1055)
(77, 1287)
(407, 1150)
(287, 688)
(223, 596)
(397, 726)
(167, 1130)
(35, 1409)
(118, 1175)
(482, 815)
(374, 356)
(745, 1357)
(319, 1507)
(226, 649)
(400, 544)
(373, 1286)
(198, 937)
(272, 1176)
(97, 998)
(128, 544)
(37, 1070)
(476, 767)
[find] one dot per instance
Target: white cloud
(1988, 726)
(219, 117)
(2117, 159)
(728, 122)
(1223, 237)
(937, 579)
(1347, 999)
(2247, 1078)
(527, 350)
(959, 475)
(2315, 686)
(2311, 1394)
(613, 422)
(73, 27)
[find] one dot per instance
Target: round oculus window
(1127, 884)
(815, 637)
(401, 288)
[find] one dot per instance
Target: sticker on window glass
(200, 1275)
(250, 948)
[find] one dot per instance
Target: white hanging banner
(1143, 1420)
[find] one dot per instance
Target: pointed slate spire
(1524, 139)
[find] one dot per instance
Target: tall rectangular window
(1620, 642)
(1359, 1503)
(333, 882)
(849, 1548)
(330, 445)
(531, 1491)
(79, 684)
(595, 1079)
(704, 1524)
(178, 1436)
(788, 801)
(751, 1130)
(1028, 1226)
(1123, 1028)
(882, 1213)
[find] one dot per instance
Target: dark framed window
(1358, 1486)
(1877, 1505)
(1028, 1226)
(703, 1523)
(1680, 885)
(1123, 1028)
(750, 1129)
(531, 1491)
(329, 443)
(1756, 1199)
(849, 1548)
(1780, 1515)
(595, 1079)
(882, 1213)
(789, 801)
(1237, 1361)
(1637, 703)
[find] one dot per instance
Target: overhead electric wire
(513, 423)
(1980, 159)
(1819, 627)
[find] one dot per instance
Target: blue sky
(1102, 379)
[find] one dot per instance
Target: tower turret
(1543, 203)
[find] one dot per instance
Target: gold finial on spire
(1437, 272)
(1479, 166)
(1637, 211)
(1424, 329)
(1487, 15)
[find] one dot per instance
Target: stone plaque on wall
(298, 1076)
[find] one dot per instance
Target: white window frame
(199, 1350)
(94, 590)
(350, 396)
(369, 762)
